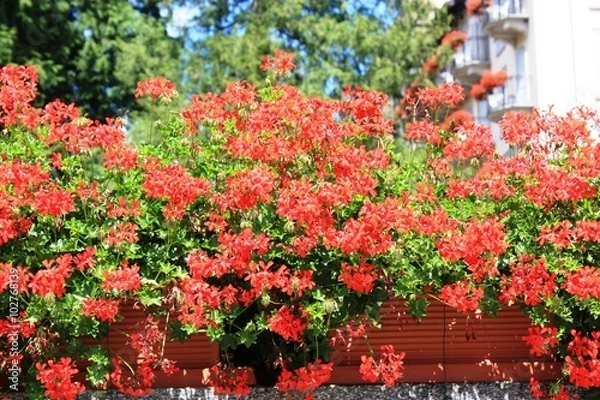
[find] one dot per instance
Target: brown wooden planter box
(437, 349)
(193, 357)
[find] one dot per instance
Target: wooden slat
(440, 337)
(196, 353)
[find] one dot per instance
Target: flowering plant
(454, 39)
(491, 80)
(476, 7)
(528, 235)
(265, 219)
(478, 92)
(431, 65)
(488, 82)
(261, 219)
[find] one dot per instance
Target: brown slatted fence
(193, 356)
(437, 348)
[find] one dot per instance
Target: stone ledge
(421, 391)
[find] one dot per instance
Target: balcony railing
(471, 60)
(508, 20)
(473, 57)
(505, 9)
(475, 50)
(482, 111)
(515, 95)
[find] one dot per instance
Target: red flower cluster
(53, 201)
(103, 309)
(446, 95)
(84, 134)
(121, 233)
(479, 244)
(491, 80)
(156, 88)
(530, 282)
(475, 7)
(282, 63)
(431, 65)
(18, 88)
(560, 392)
(289, 323)
(359, 278)
(174, 183)
(478, 92)
(583, 283)
(462, 296)
(51, 280)
(124, 208)
(470, 142)
(518, 128)
(456, 120)
(148, 343)
(225, 380)
(389, 368)
(135, 383)
(583, 361)
(247, 188)
(423, 130)
(122, 157)
(124, 279)
(550, 185)
(563, 234)
(305, 379)
(57, 379)
(371, 233)
(454, 39)
(541, 340)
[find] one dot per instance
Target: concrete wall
(564, 47)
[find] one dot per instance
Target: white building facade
(550, 49)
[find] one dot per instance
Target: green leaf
(150, 297)
(418, 307)
(180, 332)
(100, 365)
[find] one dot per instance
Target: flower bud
(329, 305)
(245, 223)
(265, 299)
(289, 227)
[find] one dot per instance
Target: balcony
(515, 95)
(481, 113)
(508, 22)
(471, 60)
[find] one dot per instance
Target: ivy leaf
(100, 365)
(229, 341)
(180, 332)
(150, 297)
(418, 307)
(248, 336)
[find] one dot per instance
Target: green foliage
(89, 52)
(380, 45)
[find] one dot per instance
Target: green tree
(90, 52)
(378, 44)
